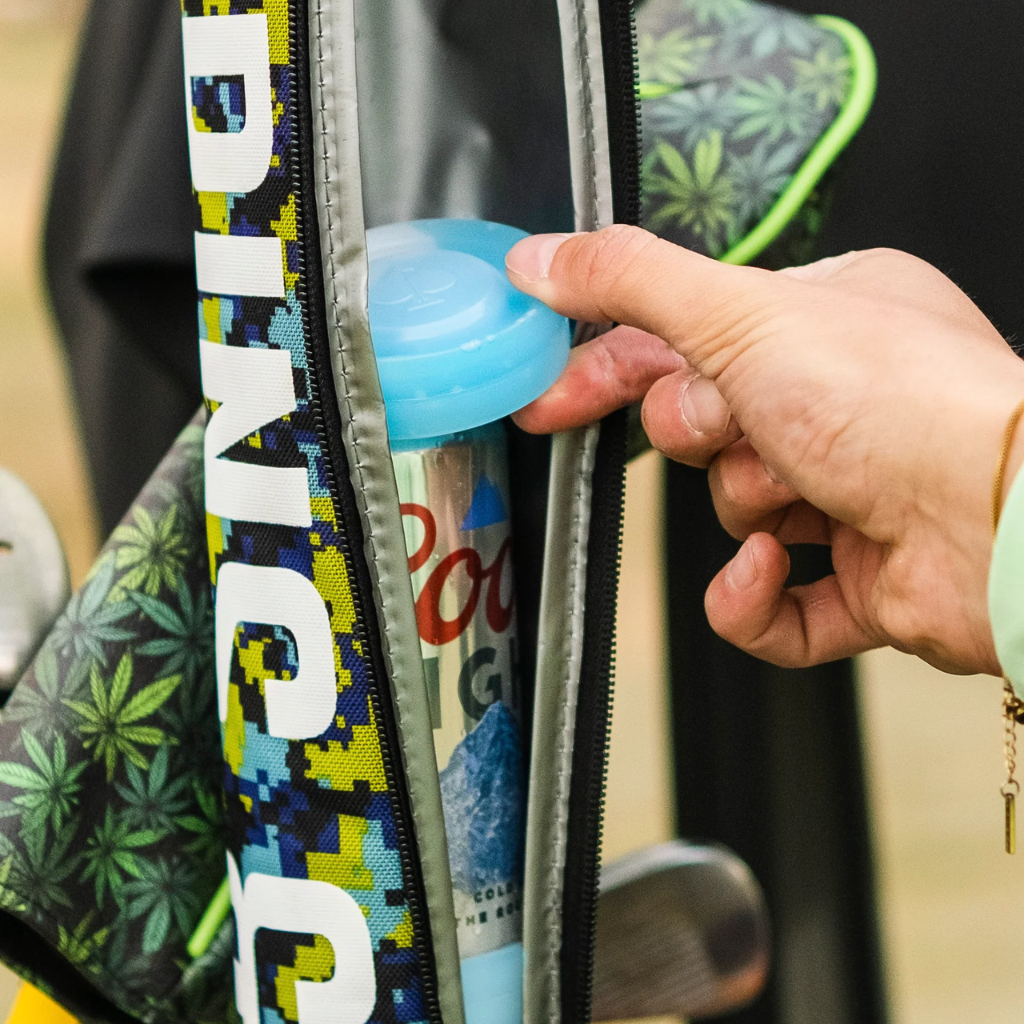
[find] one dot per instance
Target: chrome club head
(33, 577)
(681, 931)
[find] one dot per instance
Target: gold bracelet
(999, 481)
(1012, 705)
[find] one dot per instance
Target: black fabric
(29, 954)
(936, 168)
(118, 246)
(769, 762)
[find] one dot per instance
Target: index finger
(703, 308)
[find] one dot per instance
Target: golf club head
(681, 931)
(33, 578)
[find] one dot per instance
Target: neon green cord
(828, 147)
(209, 924)
(652, 90)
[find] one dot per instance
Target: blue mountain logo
(486, 508)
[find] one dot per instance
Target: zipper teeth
(422, 942)
(600, 746)
(628, 212)
(634, 213)
(602, 750)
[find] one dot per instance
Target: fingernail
(702, 407)
(741, 572)
(531, 258)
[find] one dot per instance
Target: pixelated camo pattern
(218, 103)
(302, 809)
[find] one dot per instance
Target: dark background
(937, 168)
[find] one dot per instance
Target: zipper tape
(320, 833)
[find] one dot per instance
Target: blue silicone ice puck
(492, 986)
(456, 345)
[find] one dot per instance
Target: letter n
(254, 387)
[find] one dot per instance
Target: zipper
(604, 547)
(593, 724)
(622, 82)
(328, 420)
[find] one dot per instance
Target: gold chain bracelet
(1013, 706)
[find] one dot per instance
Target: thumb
(702, 308)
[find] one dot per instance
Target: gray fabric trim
(340, 211)
(589, 149)
(565, 558)
(559, 656)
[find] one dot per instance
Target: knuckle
(605, 258)
(734, 488)
(738, 526)
(896, 263)
(785, 658)
(608, 372)
(893, 257)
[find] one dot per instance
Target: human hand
(858, 402)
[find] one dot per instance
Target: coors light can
(455, 508)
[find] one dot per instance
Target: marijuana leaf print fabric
(734, 95)
(110, 807)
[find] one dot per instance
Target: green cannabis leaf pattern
(673, 56)
(734, 95)
(110, 855)
(110, 808)
(49, 789)
(699, 199)
(110, 723)
(151, 549)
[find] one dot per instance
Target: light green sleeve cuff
(1006, 587)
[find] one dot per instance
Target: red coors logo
(433, 627)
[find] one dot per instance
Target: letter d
(221, 45)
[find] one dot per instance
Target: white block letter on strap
(239, 265)
(254, 387)
(235, 44)
(305, 906)
(300, 708)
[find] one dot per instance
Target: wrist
(1012, 462)
(1005, 592)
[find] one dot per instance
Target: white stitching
(556, 864)
(566, 728)
(353, 433)
(565, 735)
(587, 85)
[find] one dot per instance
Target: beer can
(455, 507)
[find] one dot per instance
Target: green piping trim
(210, 922)
(827, 148)
(652, 90)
